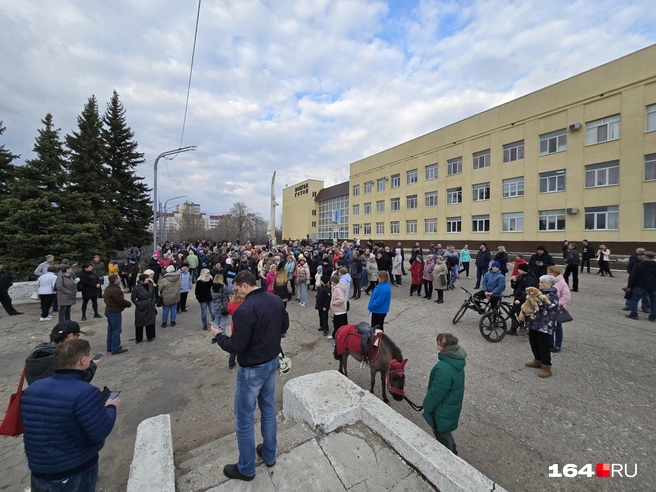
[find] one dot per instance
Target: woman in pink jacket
(270, 278)
(564, 297)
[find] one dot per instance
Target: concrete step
(204, 470)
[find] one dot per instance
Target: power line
(191, 70)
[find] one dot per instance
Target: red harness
(396, 367)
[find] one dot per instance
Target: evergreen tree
(7, 169)
(129, 195)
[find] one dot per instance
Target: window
(431, 199)
(651, 118)
(356, 190)
(650, 167)
(602, 218)
(551, 220)
(314, 194)
(481, 192)
(367, 187)
(513, 151)
(395, 227)
(380, 228)
(430, 226)
(512, 222)
(314, 223)
(367, 208)
(411, 227)
(314, 211)
(380, 206)
(513, 187)
(481, 223)
(602, 130)
(356, 209)
(650, 215)
(552, 182)
(454, 166)
(380, 184)
(553, 142)
(431, 172)
(453, 225)
(395, 204)
(604, 174)
(367, 230)
(412, 177)
(356, 229)
(482, 159)
(453, 195)
(411, 202)
(396, 180)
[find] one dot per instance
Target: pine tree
(129, 195)
(7, 169)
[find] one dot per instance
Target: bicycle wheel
(492, 326)
(461, 312)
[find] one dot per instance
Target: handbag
(563, 316)
(12, 425)
(35, 295)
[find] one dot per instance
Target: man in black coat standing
(483, 259)
(6, 282)
(540, 261)
(634, 259)
(572, 261)
(642, 282)
(587, 253)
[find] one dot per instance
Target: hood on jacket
(454, 355)
(429, 259)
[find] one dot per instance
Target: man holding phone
(66, 423)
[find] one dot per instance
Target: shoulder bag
(12, 425)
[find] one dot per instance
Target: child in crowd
(323, 304)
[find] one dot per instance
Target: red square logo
(603, 470)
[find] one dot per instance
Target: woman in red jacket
(417, 272)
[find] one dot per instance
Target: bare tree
(191, 227)
(243, 220)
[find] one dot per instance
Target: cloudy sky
(302, 87)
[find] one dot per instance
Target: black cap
(67, 327)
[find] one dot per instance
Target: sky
(301, 87)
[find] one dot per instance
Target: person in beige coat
(440, 278)
(66, 291)
(169, 290)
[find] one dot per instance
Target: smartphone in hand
(97, 356)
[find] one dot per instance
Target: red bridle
(396, 367)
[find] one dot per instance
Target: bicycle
(481, 306)
(493, 324)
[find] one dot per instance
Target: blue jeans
(255, 385)
(638, 294)
(303, 292)
(173, 309)
(204, 306)
(454, 275)
(114, 329)
(85, 481)
(557, 336)
(646, 305)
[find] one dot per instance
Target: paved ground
(598, 406)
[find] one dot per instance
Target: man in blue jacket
(483, 258)
(66, 423)
(494, 283)
(379, 303)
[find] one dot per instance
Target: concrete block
(351, 457)
(305, 468)
(152, 466)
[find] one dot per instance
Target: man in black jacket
(643, 284)
(572, 261)
(587, 253)
(483, 258)
(540, 261)
(259, 324)
(6, 282)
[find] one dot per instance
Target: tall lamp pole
(163, 154)
(164, 230)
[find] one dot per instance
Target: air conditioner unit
(572, 210)
(574, 126)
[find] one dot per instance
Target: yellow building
(571, 161)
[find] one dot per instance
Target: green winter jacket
(446, 389)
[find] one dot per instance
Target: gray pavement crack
(331, 464)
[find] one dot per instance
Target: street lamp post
(163, 154)
(164, 230)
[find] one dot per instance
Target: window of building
(380, 184)
(482, 159)
(431, 199)
(553, 142)
(314, 194)
(356, 209)
(604, 174)
(380, 206)
(412, 176)
(513, 187)
(367, 230)
(481, 223)
(453, 225)
(356, 229)
(512, 222)
(430, 226)
(602, 218)
(395, 204)
(367, 208)
(454, 195)
(314, 223)
(431, 172)
(602, 130)
(367, 187)
(356, 190)
(314, 211)
(650, 215)
(551, 220)
(651, 118)
(552, 182)
(395, 227)
(380, 228)
(411, 227)
(481, 192)
(513, 151)
(650, 167)
(454, 166)
(326, 229)
(396, 180)
(411, 202)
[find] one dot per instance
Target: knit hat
(170, 269)
(439, 257)
(419, 257)
(301, 257)
(149, 272)
(496, 264)
(523, 267)
(650, 254)
(520, 255)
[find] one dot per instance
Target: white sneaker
(45, 319)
